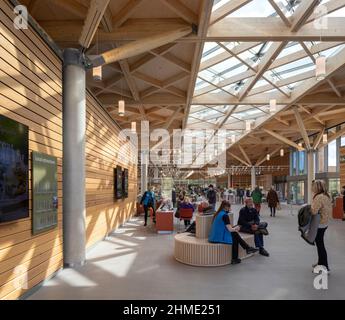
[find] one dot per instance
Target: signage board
(44, 192)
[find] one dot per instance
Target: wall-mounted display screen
(44, 192)
(14, 172)
(118, 182)
(125, 183)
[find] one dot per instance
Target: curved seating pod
(199, 252)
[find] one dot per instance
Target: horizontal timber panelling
(31, 93)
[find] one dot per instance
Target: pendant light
(134, 127)
(233, 138)
(268, 157)
(121, 108)
(282, 152)
(300, 144)
(97, 73)
(325, 138)
(273, 105)
(320, 68)
(248, 125)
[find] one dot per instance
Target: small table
(165, 221)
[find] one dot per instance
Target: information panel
(14, 170)
(118, 182)
(45, 192)
(125, 183)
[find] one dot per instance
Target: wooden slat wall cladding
(103, 149)
(31, 93)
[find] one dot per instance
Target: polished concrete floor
(135, 263)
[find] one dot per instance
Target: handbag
(262, 229)
(279, 207)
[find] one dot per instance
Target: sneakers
(263, 252)
(235, 261)
(251, 250)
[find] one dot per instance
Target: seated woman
(186, 204)
(223, 232)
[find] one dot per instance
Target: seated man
(249, 221)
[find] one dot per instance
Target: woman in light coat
(321, 204)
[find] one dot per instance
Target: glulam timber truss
(241, 55)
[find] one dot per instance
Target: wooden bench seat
(199, 252)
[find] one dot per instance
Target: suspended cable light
(134, 127)
(273, 105)
(121, 108)
(300, 144)
(282, 152)
(320, 68)
(233, 138)
(268, 157)
(97, 73)
(325, 138)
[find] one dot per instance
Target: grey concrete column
(253, 177)
(144, 172)
(74, 123)
(311, 174)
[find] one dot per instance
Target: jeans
(146, 210)
(259, 240)
(321, 250)
(273, 211)
(237, 240)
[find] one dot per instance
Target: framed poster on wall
(44, 192)
(118, 182)
(125, 183)
(14, 170)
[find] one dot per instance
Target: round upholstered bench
(199, 252)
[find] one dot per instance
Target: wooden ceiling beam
(182, 10)
(93, 18)
(125, 12)
(301, 127)
(272, 29)
(303, 11)
(283, 139)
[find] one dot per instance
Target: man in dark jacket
(249, 221)
(212, 197)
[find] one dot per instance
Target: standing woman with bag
(273, 201)
(321, 204)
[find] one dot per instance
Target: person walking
(223, 232)
(273, 201)
(148, 201)
(321, 204)
(257, 199)
(212, 197)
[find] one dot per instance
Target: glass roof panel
(233, 66)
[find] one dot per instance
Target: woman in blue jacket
(223, 232)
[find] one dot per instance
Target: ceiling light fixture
(273, 105)
(320, 68)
